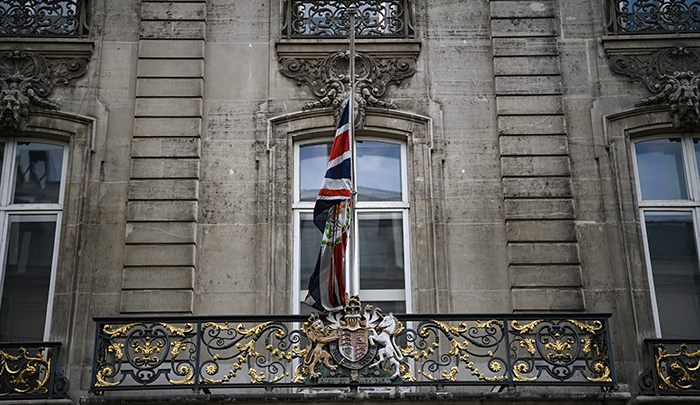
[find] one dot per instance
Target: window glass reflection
(27, 277)
(378, 171)
(381, 250)
(660, 169)
(313, 160)
(674, 263)
(39, 170)
(310, 245)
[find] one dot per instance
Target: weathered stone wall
(521, 191)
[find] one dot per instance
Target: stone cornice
(51, 47)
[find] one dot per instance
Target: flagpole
(354, 265)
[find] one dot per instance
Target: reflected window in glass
(33, 179)
(668, 184)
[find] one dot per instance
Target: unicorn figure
(388, 351)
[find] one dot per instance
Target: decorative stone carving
(673, 75)
(330, 82)
(26, 80)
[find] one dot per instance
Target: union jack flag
(332, 217)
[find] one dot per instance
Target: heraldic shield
(355, 346)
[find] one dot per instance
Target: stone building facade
(521, 156)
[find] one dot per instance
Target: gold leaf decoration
(116, 348)
(254, 331)
(176, 347)
(452, 375)
(518, 370)
(113, 333)
(216, 326)
(255, 377)
(188, 372)
(177, 331)
(526, 328)
(597, 325)
(102, 375)
(604, 372)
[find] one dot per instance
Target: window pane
(39, 168)
(674, 264)
(27, 277)
(661, 170)
(397, 307)
(381, 250)
(310, 245)
(313, 160)
(378, 171)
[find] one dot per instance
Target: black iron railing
(360, 348)
(329, 19)
(653, 16)
(43, 18)
(675, 368)
(29, 371)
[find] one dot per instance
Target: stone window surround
(417, 134)
(620, 131)
(77, 134)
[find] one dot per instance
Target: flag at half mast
(332, 216)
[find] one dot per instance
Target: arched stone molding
(74, 291)
(620, 129)
(425, 187)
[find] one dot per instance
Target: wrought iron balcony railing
(28, 371)
(675, 369)
(653, 16)
(329, 19)
(43, 18)
(355, 348)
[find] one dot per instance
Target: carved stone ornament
(26, 80)
(330, 82)
(673, 75)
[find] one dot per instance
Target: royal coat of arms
(355, 346)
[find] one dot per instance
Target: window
(653, 16)
(31, 199)
(382, 217)
(328, 19)
(42, 18)
(668, 189)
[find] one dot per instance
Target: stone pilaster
(544, 264)
(161, 233)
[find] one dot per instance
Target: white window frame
(7, 209)
(403, 207)
(691, 205)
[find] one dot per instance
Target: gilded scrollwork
(177, 331)
(518, 371)
(676, 371)
(27, 373)
(525, 328)
(121, 331)
(358, 346)
(102, 375)
(186, 371)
